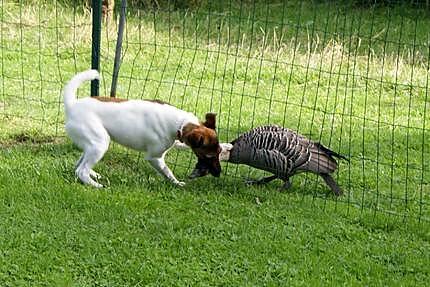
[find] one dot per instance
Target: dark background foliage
(194, 4)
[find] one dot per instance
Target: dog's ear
(196, 140)
(210, 121)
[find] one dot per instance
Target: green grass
(141, 231)
(354, 78)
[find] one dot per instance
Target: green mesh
(353, 75)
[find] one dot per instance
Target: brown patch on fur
(110, 99)
(188, 128)
(201, 139)
(204, 143)
(210, 121)
(118, 100)
(158, 102)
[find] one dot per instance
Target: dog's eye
(209, 156)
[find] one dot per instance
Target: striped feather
(282, 152)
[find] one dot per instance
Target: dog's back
(156, 124)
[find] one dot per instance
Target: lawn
(141, 231)
(353, 77)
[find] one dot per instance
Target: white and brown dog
(149, 126)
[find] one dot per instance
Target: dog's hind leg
(94, 141)
(91, 156)
(78, 163)
(93, 174)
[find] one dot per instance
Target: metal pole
(95, 55)
(117, 62)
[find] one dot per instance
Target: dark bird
(280, 151)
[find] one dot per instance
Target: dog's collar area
(180, 130)
(179, 136)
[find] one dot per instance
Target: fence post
(95, 55)
(117, 62)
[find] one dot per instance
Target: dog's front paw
(180, 183)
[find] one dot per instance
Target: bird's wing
(270, 160)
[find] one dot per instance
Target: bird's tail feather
(330, 152)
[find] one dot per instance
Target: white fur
(180, 145)
(140, 125)
(225, 151)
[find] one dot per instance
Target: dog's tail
(72, 86)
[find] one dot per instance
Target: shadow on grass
(124, 167)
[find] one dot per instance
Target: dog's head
(202, 167)
(203, 141)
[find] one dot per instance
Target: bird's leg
(286, 185)
(263, 180)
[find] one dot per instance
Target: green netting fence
(353, 75)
